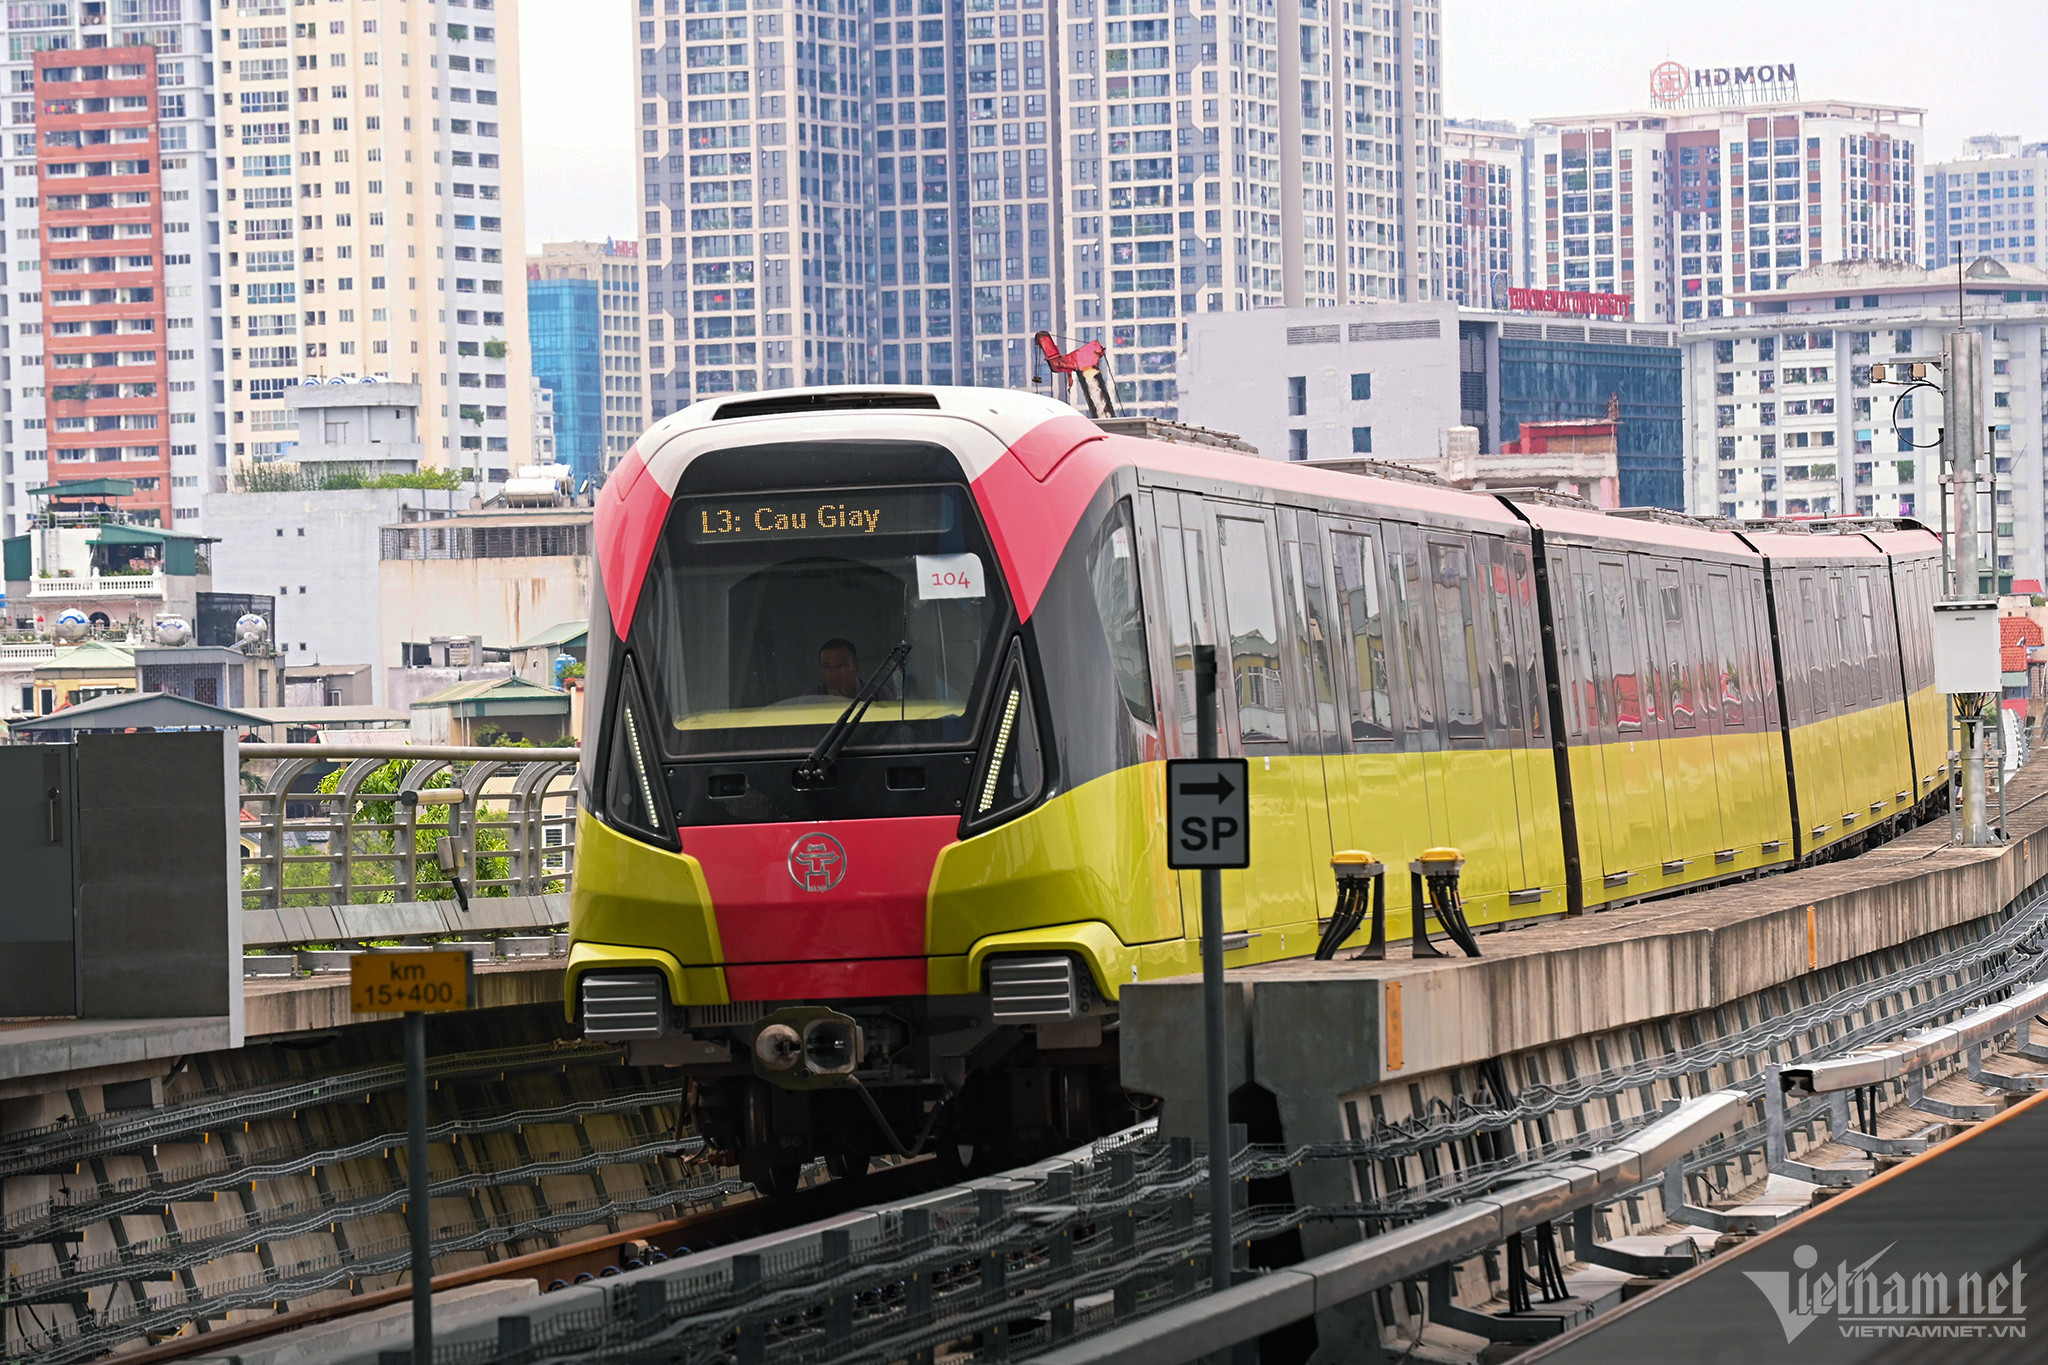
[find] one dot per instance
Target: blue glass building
(1514, 371)
(565, 324)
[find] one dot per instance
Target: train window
(1450, 579)
(1245, 551)
(1867, 617)
(1404, 575)
(1593, 678)
(1846, 653)
(1628, 701)
(1650, 666)
(1175, 560)
(763, 613)
(1315, 629)
(1353, 562)
(1113, 572)
(1518, 602)
(1813, 647)
(1677, 665)
(1727, 636)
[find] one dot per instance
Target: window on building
(1297, 445)
(1361, 387)
(1297, 395)
(1361, 440)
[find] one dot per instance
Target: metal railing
(368, 824)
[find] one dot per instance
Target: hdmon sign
(1672, 82)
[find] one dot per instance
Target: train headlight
(832, 1046)
(778, 1048)
(807, 1047)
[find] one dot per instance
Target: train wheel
(847, 1165)
(960, 1158)
(774, 1180)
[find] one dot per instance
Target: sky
(1973, 65)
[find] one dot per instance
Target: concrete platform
(309, 1004)
(1557, 980)
(102, 1050)
(43, 1047)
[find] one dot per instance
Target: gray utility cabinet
(120, 855)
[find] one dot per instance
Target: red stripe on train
(630, 514)
(1032, 498)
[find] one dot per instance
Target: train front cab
(1837, 629)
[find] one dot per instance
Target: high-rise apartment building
(113, 363)
(1486, 239)
(1697, 212)
(755, 236)
(937, 182)
(846, 192)
(371, 189)
(583, 303)
(1222, 160)
(1988, 202)
(1782, 418)
(969, 222)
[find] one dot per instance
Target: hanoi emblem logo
(817, 862)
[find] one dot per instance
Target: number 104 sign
(940, 576)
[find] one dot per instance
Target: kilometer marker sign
(400, 983)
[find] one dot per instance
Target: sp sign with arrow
(1208, 813)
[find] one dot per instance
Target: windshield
(763, 615)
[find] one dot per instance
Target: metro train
(871, 830)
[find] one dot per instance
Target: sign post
(415, 984)
(1208, 822)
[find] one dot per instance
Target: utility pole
(1963, 367)
(1962, 428)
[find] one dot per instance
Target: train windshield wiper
(816, 769)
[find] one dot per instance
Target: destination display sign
(834, 515)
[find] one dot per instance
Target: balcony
(98, 585)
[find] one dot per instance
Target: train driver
(839, 672)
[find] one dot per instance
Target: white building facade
(1987, 203)
(1486, 212)
(1699, 213)
(1783, 421)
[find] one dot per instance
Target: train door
(1574, 605)
(1633, 803)
(1471, 766)
(1688, 767)
(1723, 688)
(1292, 848)
(1383, 798)
(1508, 592)
(1167, 627)
(1184, 555)
(1811, 714)
(1320, 745)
